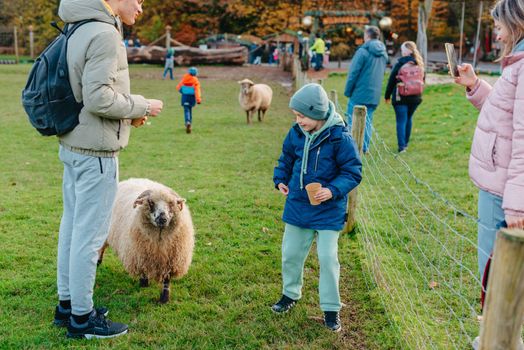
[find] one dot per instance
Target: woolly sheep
(151, 232)
(254, 97)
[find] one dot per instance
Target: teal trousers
(296, 244)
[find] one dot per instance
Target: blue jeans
(170, 73)
(404, 114)
(490, 214)
(319, 59)
(369, 121)
(188, 115)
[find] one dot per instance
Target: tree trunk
(424, 11)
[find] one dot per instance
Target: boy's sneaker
(188, 128)
(284, 304)
(97, 326)
(62, 315)
(332, 321)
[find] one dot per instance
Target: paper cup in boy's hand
(312, 190)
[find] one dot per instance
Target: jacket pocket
(483, 148)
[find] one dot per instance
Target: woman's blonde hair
(411, 46)
(510, 13)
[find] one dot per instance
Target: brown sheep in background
(151, 232)
(254, 97)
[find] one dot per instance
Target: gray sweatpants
(89, 189)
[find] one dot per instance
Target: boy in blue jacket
(318, 148)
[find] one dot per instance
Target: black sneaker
(284, 304)
(62, 317)
(97, 326)
(332, 321)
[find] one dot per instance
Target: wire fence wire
(421, 251)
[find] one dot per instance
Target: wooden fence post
(333, 97)
(504, 306)
(15, 35)
(357, 132)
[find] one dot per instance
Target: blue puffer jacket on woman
(332, 161)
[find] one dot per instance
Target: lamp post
(307, 21)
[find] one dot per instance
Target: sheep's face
(160, 210)
(245, 86)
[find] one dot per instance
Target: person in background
(189, 87)
(99, 76)
(169, 64)
(319, 48)
(318, 148)
(496, 163)
(364, 81)
(405, 105)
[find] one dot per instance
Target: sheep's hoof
(164, 297)
(144, 282)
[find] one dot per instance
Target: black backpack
(47, 97)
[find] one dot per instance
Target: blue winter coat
(366, 72)
(333, 161)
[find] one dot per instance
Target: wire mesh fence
(421, 252)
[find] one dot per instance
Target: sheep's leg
(259, 119)
(248, 117)
(101, 254)
(166, 289)
(144, 282)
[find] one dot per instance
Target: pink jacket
(496, 163)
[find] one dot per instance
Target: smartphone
(452, 59)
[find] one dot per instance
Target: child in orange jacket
(189, 87)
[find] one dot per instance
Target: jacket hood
(78, 10)
(519, 47)
(376, 48)
(406, 59)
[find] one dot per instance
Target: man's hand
(387, 101)
(138, 122)
(283, 189)
(323, 194)
(155, 107)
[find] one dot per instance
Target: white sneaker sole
(97, 336)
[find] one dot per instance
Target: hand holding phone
(452, 59)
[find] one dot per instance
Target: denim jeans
(170, 70)
(404, 115)
(188, 115)
(319, 59)
(490, 214)
(369, 121)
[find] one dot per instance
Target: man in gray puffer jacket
(99, 77)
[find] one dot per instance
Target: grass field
(224, 169)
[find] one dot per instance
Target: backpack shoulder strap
(72, 27)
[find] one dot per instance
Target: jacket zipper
(318, 154)
(100, 162)
(118, 132)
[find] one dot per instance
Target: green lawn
(224, 169)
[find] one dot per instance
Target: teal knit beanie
(312, 101)
(193, 71)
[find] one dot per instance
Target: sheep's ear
(180, 203)
(143, 196)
